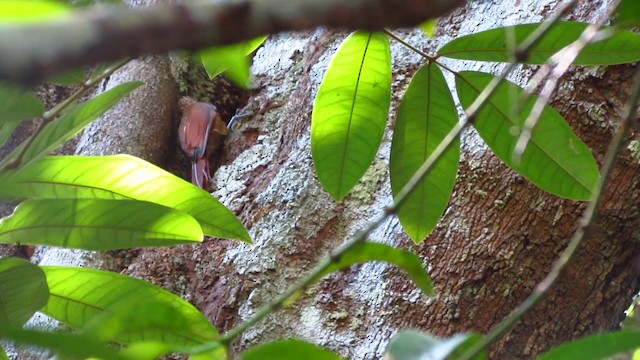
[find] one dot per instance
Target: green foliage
(23, 291)
(65, 344)
(20, 11)
(231, 60)
(415, 345)
(628, 13)
(17, 105)
(121, 177)
(429, 27)
(98, 224)
(373, 251)
(427, 113)
(556, 160)
(350, 111)
(289, 350)
(595, 347)
(152, 328)
(493, 45)
(69, 124)
(70, 77)
(101, 303)
(120, 201)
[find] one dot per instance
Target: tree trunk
(497, 239)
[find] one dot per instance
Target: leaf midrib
(353, 104)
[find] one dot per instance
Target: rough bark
(496, 240)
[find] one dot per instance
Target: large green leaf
(232, 60)
(142, 324)
(3, 354)
(122, 177)
(350, 111)
(148, 350)
(415, 345)
(69, 124)
(72, 346)
(600, 346)
(427, 113)
(78, 295)
(555, 160)
(628, 13)
(493, 45)
(373, 251)
(98, 224)
(23, 291)
(16, 105)
(290, 349)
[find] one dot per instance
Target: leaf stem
(403, 42)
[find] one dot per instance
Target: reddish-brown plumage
(198, 119)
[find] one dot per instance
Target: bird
(199, 121)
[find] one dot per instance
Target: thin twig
(415, 49)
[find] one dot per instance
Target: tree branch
(28, 54)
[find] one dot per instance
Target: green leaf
(20, 11)
(78, 295)
(415, 345)
(232, 60)
(147, 350)
(429, 27)
(426, 115)
(98, 224)
(122, 177)
(3, 354)
(555, 160)
(373, 251)
(147, 323)
(350, 111)
(71, 77)
(16, 105)
(290, 349)
(600, 346)
(68, 345)
(23, 291)
(493, 45)
(628, 13)
(70, 123)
